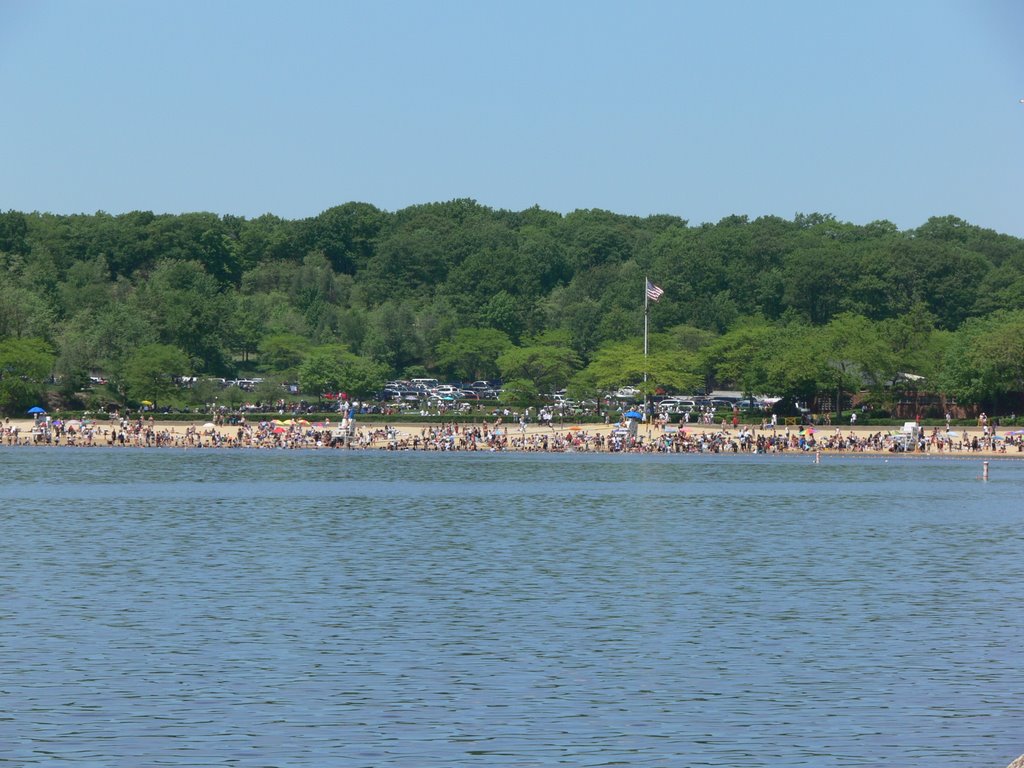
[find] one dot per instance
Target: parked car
(721, 403)
(447, 390)
(677, 405)
(753, 404)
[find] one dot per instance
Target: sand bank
(494, 435)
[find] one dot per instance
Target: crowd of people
(622, 437)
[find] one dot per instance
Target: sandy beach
(495, 435)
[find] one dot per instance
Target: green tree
(1003, 347)
(549, 367)
(25, 364)
(361, 376)
(408, 262)
(267, 239)
(233, 395)
(856, 356)
(315, 293)
(332, 368)
(270, 390)
(816, 279)
(204, 391)
(519, 393)
(582, 319)
(78, 346)
(595, 237)
(321, 371)
(346, 234)
(150, 373)
(24, 313)
(914, 341)
(118, 331)
(13, 233)
(187, 308)
(506, 313)
(248, 321)
(473, 352)
(623, 363)
(282, 353)
(87, 285)
(985, 359)
(794, 366)
(392, 336)
(740, 358)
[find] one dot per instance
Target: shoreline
(500, 437)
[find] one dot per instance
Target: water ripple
(326, 609)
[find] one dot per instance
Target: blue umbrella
(36, 409)
(634, 415)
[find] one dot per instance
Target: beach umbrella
(634, 415)
(36, 409)
(146, 402)
(279, 430)
(209, 425)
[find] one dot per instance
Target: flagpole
(651, 293)
(646, 303)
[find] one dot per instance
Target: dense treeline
(355, 295)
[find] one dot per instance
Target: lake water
(246, 608)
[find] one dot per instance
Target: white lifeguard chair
(909, 436)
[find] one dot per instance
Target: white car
(447, 390)
(676, 405)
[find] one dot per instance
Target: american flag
(653, 291)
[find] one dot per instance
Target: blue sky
(866, 110)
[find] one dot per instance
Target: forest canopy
(459, 290)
